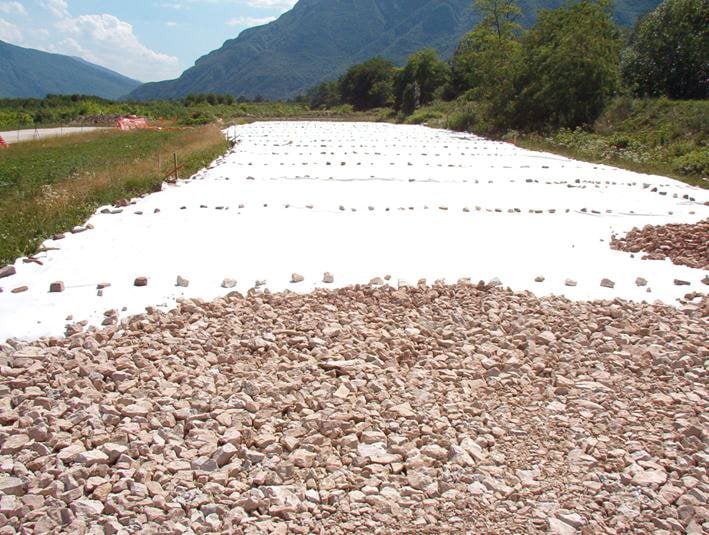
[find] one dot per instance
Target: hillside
(319, 39)
(25, 72)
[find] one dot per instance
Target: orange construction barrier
(131, 122)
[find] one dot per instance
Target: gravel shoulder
(424, 409)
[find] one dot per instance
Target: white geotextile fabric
(360, 200)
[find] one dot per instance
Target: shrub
(424, 116)
(197, 118)
(464, 120)
(693, 163)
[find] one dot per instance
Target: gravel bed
(364, 409)
(686, 245)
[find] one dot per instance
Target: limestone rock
(12, 486)
(92, 457)
(56, 287)
(7, 271)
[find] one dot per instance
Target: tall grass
(50, 186)
(657, 136)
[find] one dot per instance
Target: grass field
(52, 185)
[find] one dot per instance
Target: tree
(500, 16)
(368, 85)
(669, 51)
(570, 66)
(325, 95)
(485, 56)
(487, 61)
(424, 70)
(410, 98)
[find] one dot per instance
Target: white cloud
(260, 4)
(9, 32)
(170, 24)
(12, 8)
(58, 8)
(248, 22)
(109, 41)
(285, 4)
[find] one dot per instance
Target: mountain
(25, 72)
(319, 39)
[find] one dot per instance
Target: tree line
(560, 73)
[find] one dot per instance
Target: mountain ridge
(30, 73)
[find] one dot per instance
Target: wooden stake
(174, 157)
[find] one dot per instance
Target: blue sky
(145, 39)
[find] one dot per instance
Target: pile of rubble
(686, 245)
(423, 409)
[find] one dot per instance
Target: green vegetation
(661, 136)
(419, 81)
(86, 110)
(486, 67)
(367, 85)
(657, 136)
(570, 68)
(668, 51)
(50, 186)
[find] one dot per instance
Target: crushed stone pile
(684, 244)
(363, 409)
